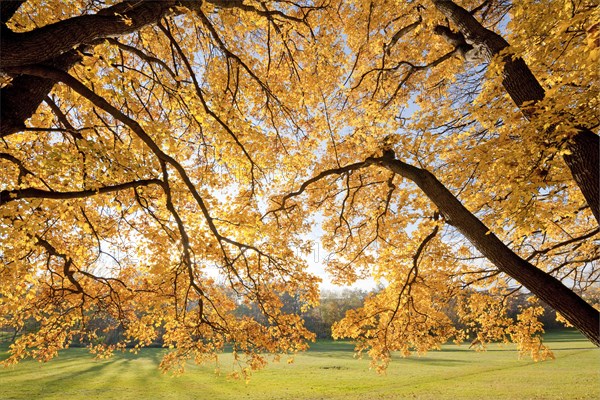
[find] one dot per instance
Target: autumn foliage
(164, 163)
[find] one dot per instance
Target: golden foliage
(234, 106)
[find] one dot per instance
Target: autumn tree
(139, 139)
(158, 152)
(454, 88)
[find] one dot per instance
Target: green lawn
(327, 371)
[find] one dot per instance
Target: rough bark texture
(53, 45)
(50, 41)
(20, 100)
(584, 164)
(547, 288)
(522, 86)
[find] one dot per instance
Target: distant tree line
(319, 320)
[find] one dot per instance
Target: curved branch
(23, 96)
(323, 174)
(23, 171)
(549, 289)
(62, 118)
(146, 57)
(25, 93)
(415, 68)
(412, 68)
(101, 103)
(561, 244)
(544, 286)
(239, 4)
(67, 271)
(400, 33)
(33, 193)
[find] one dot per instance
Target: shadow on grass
(435, 361)
(566, 335)
(73, 376)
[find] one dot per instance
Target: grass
(327, 371)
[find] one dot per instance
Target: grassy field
(327, 371)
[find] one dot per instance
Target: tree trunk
(23, 96)
(523, 87)
(50, 41)
(585, 166)
(53, 45)
(546, 287)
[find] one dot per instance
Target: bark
(10, 111)
(523, 87)
(20, 100)
(53, 45)
(546, 287)
(50, 41)
(584, 164)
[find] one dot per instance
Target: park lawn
(327, 371)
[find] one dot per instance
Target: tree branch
(549, 289)
(101, 103)
(323, 174)
(185, 240)
(47, 46)
(62, 118)
(561, 244)
(205, 103)
(52, 40)
(68, 262)
(401, 32)
(23, 171)
(146, 57)
(33, 193)
(25, 93)
(525, 90)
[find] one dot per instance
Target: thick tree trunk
(549, 289)
(585, 166)
(20, 100)
(523, 87)
(53, 45)
(52, 40)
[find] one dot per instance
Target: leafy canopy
(174, 172)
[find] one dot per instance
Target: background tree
(145, 143)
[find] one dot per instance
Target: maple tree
(165, 160)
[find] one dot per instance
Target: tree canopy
(165, 161)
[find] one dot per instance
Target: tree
(151, 146)
(332, 307)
